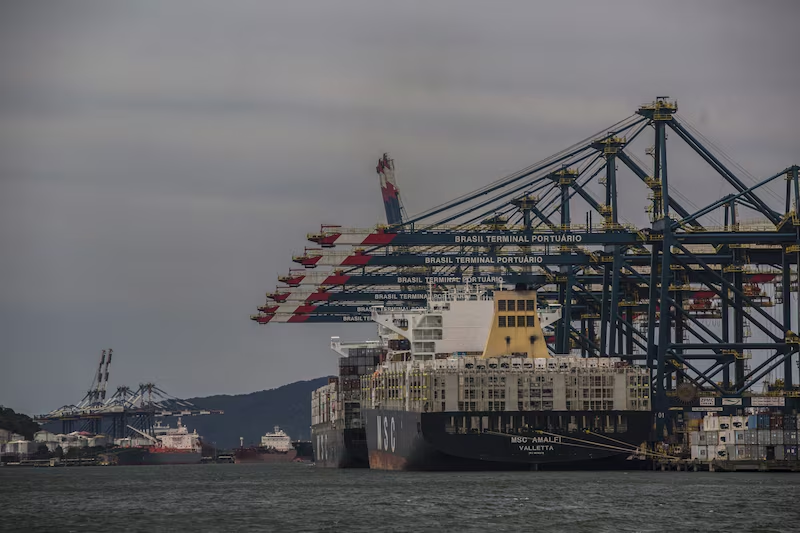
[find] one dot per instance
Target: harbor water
(296, 497)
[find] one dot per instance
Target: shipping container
(761, 453)
(711, 423)
(789, 437)
(697, 454)
(776, 437)
(726, 437)
(712, 438)
(791, 453)
(738, 423)
(779, 455)
(730, 452)
(721, 452)
(694, 438)
(764, 437)
(751, 437)
(724, 423)
(739, 437)
(702, 437)
(742, 453)
(752, 422)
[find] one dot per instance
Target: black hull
(402, 440)
(339, 448)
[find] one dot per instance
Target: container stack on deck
(324, 403)
(758, 437)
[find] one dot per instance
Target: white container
(694, 438)
(712, 438)
(738, 423)
(721, 452)
(711, 423)
(724, 423)
(726, 437)
(702, 438)
(702, 453)
(696, 455)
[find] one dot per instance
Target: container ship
(463, 316)
(337, 427)
(275, 447)
(509, 405)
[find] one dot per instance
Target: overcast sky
(161, 160)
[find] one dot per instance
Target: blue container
(763, 421)
(752, 422)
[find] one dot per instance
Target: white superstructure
(277, 440)
(177, 438)
(455, 322)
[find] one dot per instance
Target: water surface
(295, 497)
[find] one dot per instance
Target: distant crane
(127, 412)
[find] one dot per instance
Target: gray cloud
(160, 161)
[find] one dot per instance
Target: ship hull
(339, 448)
(172, 458)
(304, 449)
(142, 456)
(259, 456)
(405, 440)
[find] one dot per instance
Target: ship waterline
(490, 440)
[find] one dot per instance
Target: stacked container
(760, 437)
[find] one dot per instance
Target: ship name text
(536, 440)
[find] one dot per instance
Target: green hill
(252, 415)
(18, 423)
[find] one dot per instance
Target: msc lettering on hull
(387, 436)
